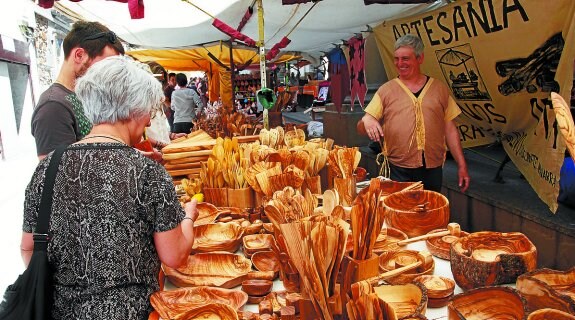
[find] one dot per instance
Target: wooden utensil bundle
(343, 161)
(366, 220)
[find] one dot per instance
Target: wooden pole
(262, 51)
(232, 75)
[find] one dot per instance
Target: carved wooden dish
(257, 242)
(550, 314)
(416, 212)
(391, 260)
(207, 213)
(217, 269)
(217, 237)
(440, 246)
(437, 286)
(487, 303)
(253, 228)
(546, 288)
(213, 311)
(388, 187)
(257, 287)
(489, 258)
(174, 303)
(405, 299)
(387, 239)
(266, 261)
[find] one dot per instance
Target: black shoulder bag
(31, 296)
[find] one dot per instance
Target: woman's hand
(191, 210)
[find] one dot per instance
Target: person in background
(186, 104)
(202, 89)
(58, 118)
(115, 214)
(414, 114)
(170, 87)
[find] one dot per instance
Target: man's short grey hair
(117, 89)
(411, 41)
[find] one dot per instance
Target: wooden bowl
(217, 237)
(212, 311)
(437, 286)
(406, 299)
(257, 288)
(416, 212)
(391, 260)
(487, 304)
(257, 242)
(439, 302)
(174, 303)
(489, 258)
(440, 246)
(266, 261)
(253, 228)
(207, 213)
(546, 288)
(388, 187)
(550, 314)
(216, 269)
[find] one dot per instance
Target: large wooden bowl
(175, 303)
(256, 287)
(489, 303)
(440, 246)
(217, 269)
(416, 212)
(391, 260)
(217, 237)
(405, 299)
(214, 311)
(266, 261)
(550, 314)
(546, 288)
(258, 242)
(388, 187)
(489, 258)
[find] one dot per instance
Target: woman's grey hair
(411, 41)
(116, 89)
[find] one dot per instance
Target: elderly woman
(115, 215)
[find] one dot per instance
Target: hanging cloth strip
(136, 7)
(357, 69)
(223, 27)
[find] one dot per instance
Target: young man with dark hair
(58, 118)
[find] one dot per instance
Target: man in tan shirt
(414, 113)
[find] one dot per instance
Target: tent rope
(301, 19)
(202, 10)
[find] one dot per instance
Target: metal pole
(262, 51)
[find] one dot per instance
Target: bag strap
(41, 236)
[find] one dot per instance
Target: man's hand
(370, 126)
(464, 178)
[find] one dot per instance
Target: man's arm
(368, 125)
(452, 138)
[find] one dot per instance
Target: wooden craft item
(387, 240)
(405, 299)
(388, 187)
(550, 314)
(253, 228)
(416, 212)
(173, 304)
(266, 261)
(453, 229)
(217, 237)
(216, 269)
(546, 288)
(313, 184)
(392, 260)
(437, 286)
(258, 242)
(216, 196)
(207, 213)
(346, 190)
(440, 246)
(288, 313)
(486, 304)
(211, 311)
(240, 198)
(257, 287)
(187, 154)
(308, 312)
(489, 258)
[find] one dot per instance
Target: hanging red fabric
(276, 48)
(246, 18)
(220, 25)
(357, 69)
(136, 7)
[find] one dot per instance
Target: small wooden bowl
(266, 261)
(257, 242)
(217, 237)
(391, 260)
(487, 303)
(550, 314)
(256, 287)
(440, 246)
(546, 288)
(387, 240)
(489, 258)
(416, 212)
(439, 302)
(405, 299)
(437, 287)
